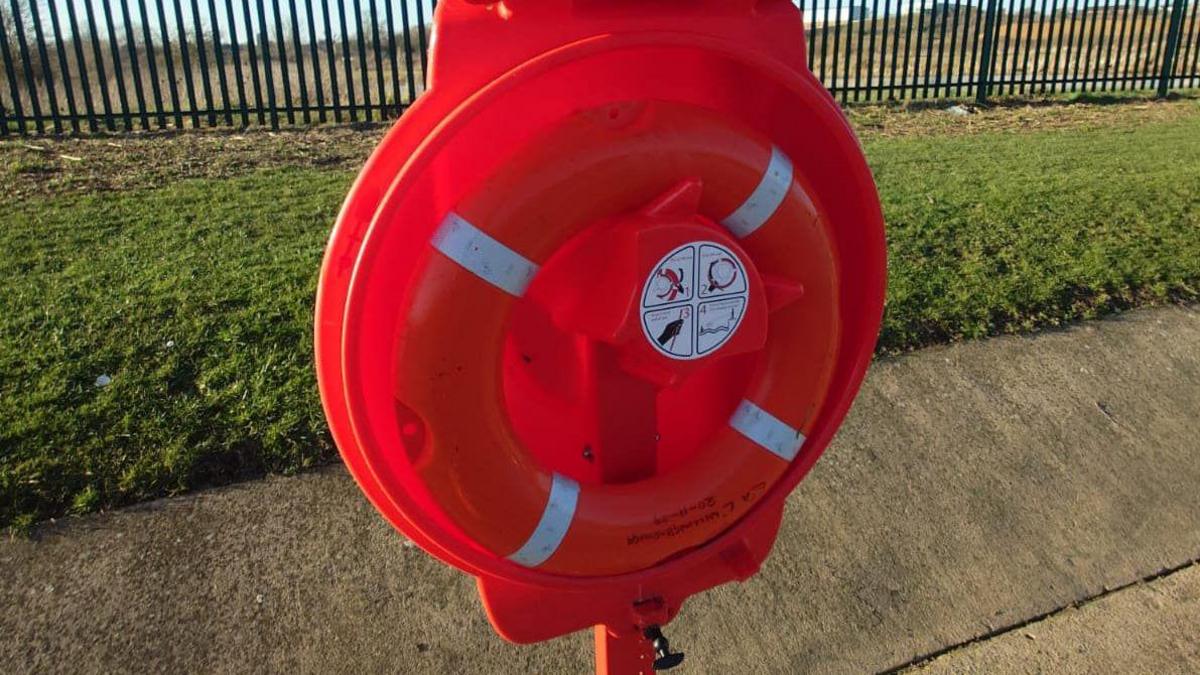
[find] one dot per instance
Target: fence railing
(909, 49)
(90, 65)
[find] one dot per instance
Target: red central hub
(634, 343)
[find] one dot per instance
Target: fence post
(1168, 62)
(983, 79)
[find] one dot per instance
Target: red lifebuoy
(459, 317)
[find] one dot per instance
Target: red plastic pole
(623, 655)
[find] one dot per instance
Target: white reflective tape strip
(483, 256)
(768, 431)
(766, 198)
(550, 530)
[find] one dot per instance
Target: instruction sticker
(694, 300)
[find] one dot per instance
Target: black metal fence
(90, 65)
(912, 49)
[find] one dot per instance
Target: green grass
(29, 166)
(1010, 232)
(196, 298)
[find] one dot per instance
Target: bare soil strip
(57, 165)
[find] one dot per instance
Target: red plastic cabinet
(598, 302)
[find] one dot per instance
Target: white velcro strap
(766, 198)
(550, 530)
(768, 431)
(483, 256)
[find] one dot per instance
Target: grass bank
(193, 301)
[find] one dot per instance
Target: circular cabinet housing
(599, 301)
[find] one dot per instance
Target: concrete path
(1151, 627)
(974, 488)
